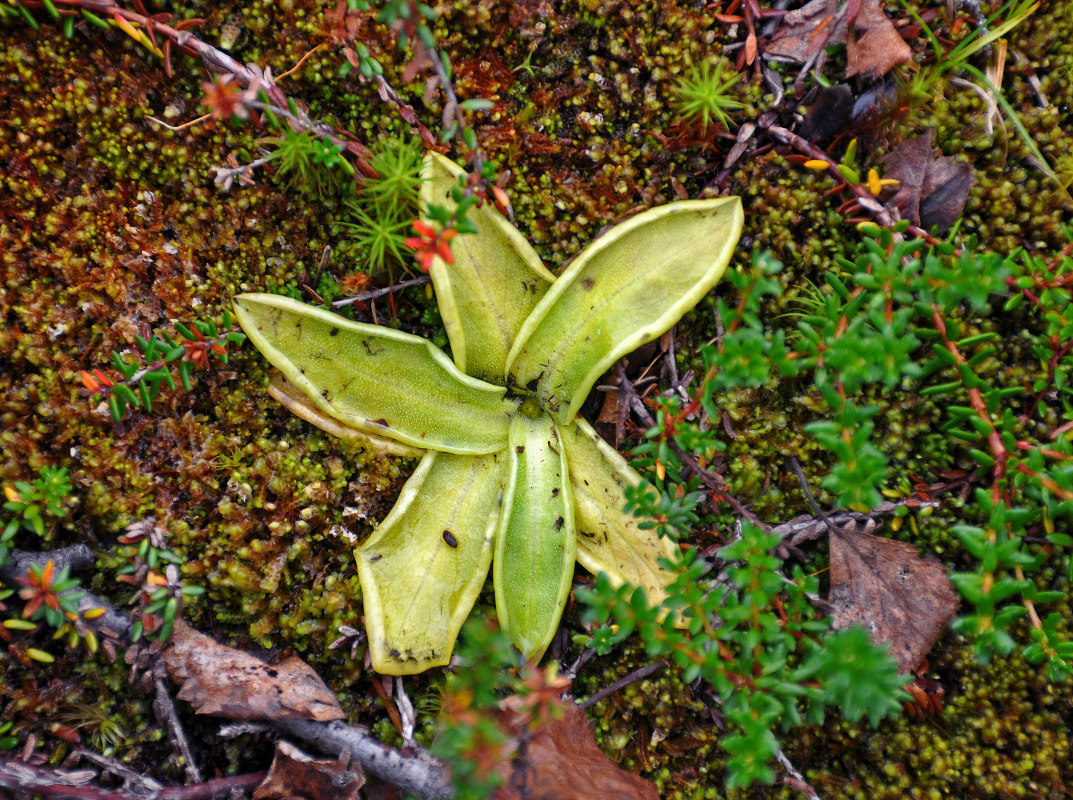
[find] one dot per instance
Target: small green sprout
(7, 740)
(380, 237)
(701, 95)
(381, 214)
(32, 502)
(396, 188)
(311, 163)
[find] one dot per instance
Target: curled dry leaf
(875, 48)
(294, 774)
(562, 762)
(890, 589)
(225, 682)
(872, 49)
(805, 30)
(932, 188)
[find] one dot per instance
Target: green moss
(110, 225)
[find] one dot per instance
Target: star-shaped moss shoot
(509, 476)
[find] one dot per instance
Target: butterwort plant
(510, 476)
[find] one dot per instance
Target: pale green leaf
(493, 284)
(287, 395)
(610, 540)
(626, 288)
(424, 566)
(536, 543)
(376, 380)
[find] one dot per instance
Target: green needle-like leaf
(626, 288)
(424, 566)
(491, 287)
(375, 379)
(536, 542)
(609, 539)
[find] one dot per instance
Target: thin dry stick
(166, 708)
(709, 479)
(416, 771)
(638, 674)
(799, 781)
(375, 293)
(819, 512)
(214, 58)
(27, 780)
(135, 781)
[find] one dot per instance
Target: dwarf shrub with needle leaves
(772, 666)
(33, 502)
(902, 317)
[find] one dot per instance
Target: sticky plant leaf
(498, 480)
(375, 379)
(423, 567)
(536, 542)
(610, 540)
(626, 288)
(288, 396)
(493, 284)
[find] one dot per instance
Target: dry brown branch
(414, 771)
(24, 781)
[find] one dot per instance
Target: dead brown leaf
(886, 586)
(609, 411)
(932, 188)
(294, 774)
(562, 762)
(614, 412)
(750, 49)
(829, 114)
(873, 49)
(805, 30)
(907, 164)
(225, 682)
(945, 191)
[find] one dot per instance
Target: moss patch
(110, 226)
